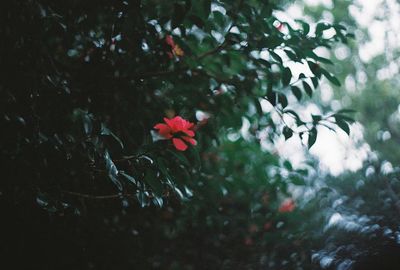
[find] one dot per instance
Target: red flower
(179, 130)
(287, 206)
(175, 49)
(268, 226)
(248, 241)
(170, 41)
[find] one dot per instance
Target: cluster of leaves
(85, 86)
(86, 83)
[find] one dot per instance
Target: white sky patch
(325, 3)
(377, 44)
(338, 152)
(335, 150)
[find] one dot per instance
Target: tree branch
(97, 197)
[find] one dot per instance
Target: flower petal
(179, 144)
(164, 130)
(190, 140)
(170, 41)
(287, 206)
(188, 132)
(179, 122)
(170, 123)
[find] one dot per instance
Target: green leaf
(179, 156)
(179, 15)
(112, 170)
(305, 26)
(142, 198)
(158, 201)
(288, 165)
(107, 132)
(296, 116)
(321, 27)
(272, 97)
(315, 81)
(298, 181)
(276, 56)
(316, 118)
(307, 89)
(286, 76)
(296, 92)
(195, 155)
(344, 117)
(324, 60)
(315, 68)
(343, 125)
(346, 111)
(312, 137)
(163, 169)
(291, 55)
(330, 77)
(258, 107)
(287, 132)
(131, 179)
(153, 181)
(282, 100)
(201, 9)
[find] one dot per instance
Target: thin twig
(97, 197)
(215, 50)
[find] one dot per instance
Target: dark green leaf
(346, 111)
(321, 27)
(180, 156)
(298, 181)
(296, 92)
(258, 107)
(153, 181)
(286, 76)
(112, 170)
(282, 100)
(316, 118)
(272, 97)
(131, 179)
(288, 165)
(315, 81)
(291, 55)
(276, 56)
(287, 132)
(312, 137)
(330, 77)
(343, 125)
(158, 201)
(307, 89)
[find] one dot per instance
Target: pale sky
(335, 150)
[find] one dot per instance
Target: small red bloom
(179, 130)
(287, 206)
(175, 49)
(170, 41)
(268, 226)
(248, 241)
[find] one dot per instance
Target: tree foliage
(84, 87)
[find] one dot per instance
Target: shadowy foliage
(90, 181)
